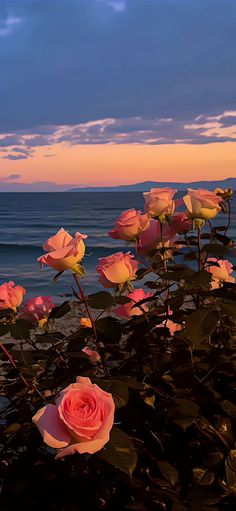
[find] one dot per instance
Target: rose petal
(51, 427)
(84, 380)
(102, 436)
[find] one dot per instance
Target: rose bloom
(202, 204)
(85, 323)
(11, 296)
(129, 225)
(117, 268)
(93, 355)
(219, 273)
(173, 327)
(180, 223)
(63, 251)
(128, 310)
(36, 309)
(151, 238)
(80, 421)
(159, 201)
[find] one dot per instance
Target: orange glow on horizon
(114, 164)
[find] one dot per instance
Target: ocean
(27, 220)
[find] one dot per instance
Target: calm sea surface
(27, 220)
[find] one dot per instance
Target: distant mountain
(146, 185)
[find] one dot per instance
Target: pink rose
(159, 201)
(80, 421)
(36, 309)
(151, 238)
(219, 273)
(117, 269)
(180, 223)
(63, 251)
(168, 323)
(129, 225)
(202, 204)
(11, 296)
(93, 355)
(128, 310)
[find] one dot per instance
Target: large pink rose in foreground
(116, 269)
(11, 296)
(219, 273)
(159, 201)
(36, 309)
(80, 421)
(128, 310)
(151, 238)
(129, 225)
(63, 251)
(202, 204)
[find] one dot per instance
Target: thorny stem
(229, 217)
(26, 383)
(14, 365)
(199, 247)
(85, 302)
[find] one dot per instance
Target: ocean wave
(34, 247)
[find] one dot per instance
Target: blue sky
(145, 69)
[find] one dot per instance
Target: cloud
(14, 176)
(15, 157)
(83, 61)
(7, 25)
(118, 6)
(203, 129)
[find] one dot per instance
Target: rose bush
(151, 418)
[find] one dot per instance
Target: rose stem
(199, 247)
(14, 365)
(84, 301)
(229, 217)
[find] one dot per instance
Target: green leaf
(60, 311)
(199, 325)
(24, 356)
(109, 330)
(228, 308)
(4, 328)
(229, 408)
(118, 389)
(203, 476)
(20, 329)
(168, 471)
(50, 338)
(215, 249)
(79, 270)
(120, 451)
(121, 300)
(199, 280)
(100, 300)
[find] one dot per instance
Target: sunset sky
(103, 92)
